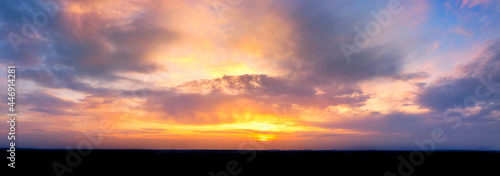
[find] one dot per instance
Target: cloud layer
(194, 71)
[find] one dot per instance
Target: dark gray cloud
(412, 76)
(72, 47)
(46, 103)
(397, 122)
(257, 91)
(319, 29)
(283, 89)
(12, 14)
(402, 129)
(105, 50)
(44, 100)
(53, 112)
(463, 89)
(64, 77)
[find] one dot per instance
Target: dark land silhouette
(257, 163)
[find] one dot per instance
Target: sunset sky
(212, 74)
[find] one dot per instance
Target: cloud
(396, 122)
(42, 100)
(91, 43)
(320, 27)
(100, 41)
(447, 92)
(433, 47)
(53, 112)
(69, 78)
(87, 40)
(462, 31)
(220, 99)
(412, 76)
(473, 3)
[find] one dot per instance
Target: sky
(219, 74)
